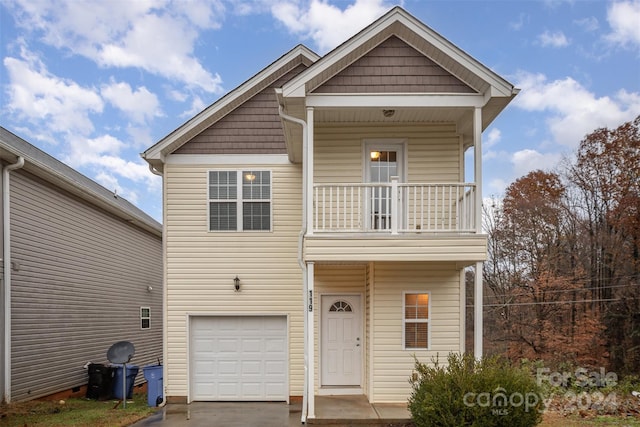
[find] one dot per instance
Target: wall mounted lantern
(236, 284)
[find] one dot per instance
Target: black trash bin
(100, 381)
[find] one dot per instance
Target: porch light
(388, 113)
(249, 176)
(375, 155)
(236, 284)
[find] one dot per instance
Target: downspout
(164, 293)
(6, 245)
(301, 262)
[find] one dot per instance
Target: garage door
(239, 358)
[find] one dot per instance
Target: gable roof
(296, 56)
(48, 168)
(400, 23)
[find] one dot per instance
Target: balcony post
(394, 205)
(477, 167)
(309, 171)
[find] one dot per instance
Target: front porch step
(356, 410)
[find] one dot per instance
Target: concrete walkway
(330, 410)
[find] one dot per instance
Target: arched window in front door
(341, 306)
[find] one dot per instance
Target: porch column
(477, 292)
(311, 371)
(477, 312)
(309, 171)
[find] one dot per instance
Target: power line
(554, 302)
(568, 290)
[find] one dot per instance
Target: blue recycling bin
(132, 371)
(153, 375)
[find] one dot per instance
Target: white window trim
(240, 201)
(404, 320)
(145, 317)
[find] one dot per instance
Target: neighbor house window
(239, 200)
(416, 320)
(145, 317)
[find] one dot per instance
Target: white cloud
(106, 157)
(624, 19)
(555, 39)
(139, 105)
(197, 105)
(46, 100)
(161, 45)
(325, 24)
(493, 137)
(495, 186)
(519, 23)
(527, 160)
(157, 36)
(588, 24)
(573, 111)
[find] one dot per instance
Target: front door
(341, 362)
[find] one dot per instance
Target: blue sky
(96, 82)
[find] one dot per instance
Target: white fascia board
(399, 100)
(157, 150)
(228, 159)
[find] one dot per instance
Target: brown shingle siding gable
(394, 66)
(252, 128)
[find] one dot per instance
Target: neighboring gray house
(81, 269)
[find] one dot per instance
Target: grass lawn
(75, 412)
(552, 419)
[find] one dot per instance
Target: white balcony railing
(394, 208)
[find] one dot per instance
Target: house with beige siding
(81, 270)
(318, 220)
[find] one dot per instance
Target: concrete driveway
(225, 414)
(336, 411)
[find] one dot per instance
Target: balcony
(394, 222)
(394, 208)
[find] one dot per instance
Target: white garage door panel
(239, 358)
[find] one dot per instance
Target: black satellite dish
(122, 352)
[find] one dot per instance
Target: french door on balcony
(384, 160)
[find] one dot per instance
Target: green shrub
(467, 392)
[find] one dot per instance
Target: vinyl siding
(201, 265)
(394, 67)
(434, 151)
(392, 366)
(463, 248)
(79, 278)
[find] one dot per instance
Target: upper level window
(239, 200)
(416, 321)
